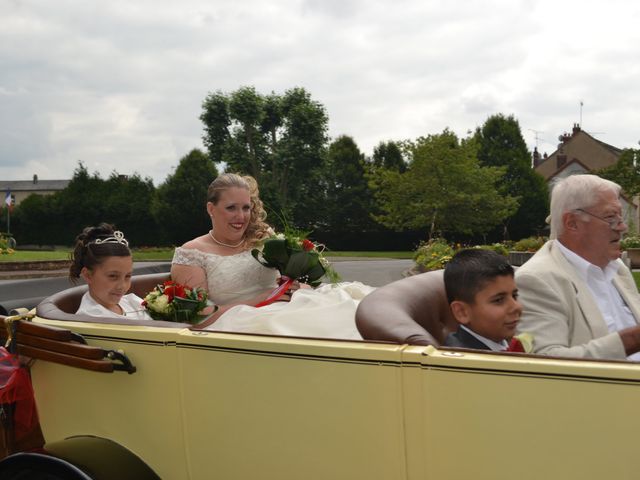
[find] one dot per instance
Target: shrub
(500, 248)
(630, 241)
(529, 244)
(5, 246)
(434, 254)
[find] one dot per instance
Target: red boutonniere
(522, 343)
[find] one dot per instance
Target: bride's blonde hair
(258, 228)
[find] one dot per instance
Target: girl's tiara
(117, 237)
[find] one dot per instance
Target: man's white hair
(574, 192)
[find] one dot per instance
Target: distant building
(21, 189)
(579, 152)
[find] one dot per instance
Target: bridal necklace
(224, 244)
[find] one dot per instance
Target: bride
(221, 262)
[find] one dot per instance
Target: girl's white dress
(325, 312)
(130, 304)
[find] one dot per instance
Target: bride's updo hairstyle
(257, 228)
(94, 245)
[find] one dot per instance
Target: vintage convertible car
(153, 399)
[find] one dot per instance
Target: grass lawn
(636, 277)
(160, 254)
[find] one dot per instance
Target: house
(579, 152)
(21, 189)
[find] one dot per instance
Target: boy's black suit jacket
(463, 339)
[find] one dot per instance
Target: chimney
(35, 178)
(576, 129)
(536, 157)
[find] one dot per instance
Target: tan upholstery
(64, 304)
(413, 310)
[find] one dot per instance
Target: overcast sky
(119, 84)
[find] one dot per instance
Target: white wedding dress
(325, 312)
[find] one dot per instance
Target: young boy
(483, 297)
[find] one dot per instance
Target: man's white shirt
(615, 311)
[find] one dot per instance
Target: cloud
(119, 84)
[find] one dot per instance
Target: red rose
(169, 291)
(307, 245)
(179, 291)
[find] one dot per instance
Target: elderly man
(579, 299)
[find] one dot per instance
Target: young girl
(102, 258)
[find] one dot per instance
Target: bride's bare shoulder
(198, 243)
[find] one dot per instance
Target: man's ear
(569, 221)
(461, 311)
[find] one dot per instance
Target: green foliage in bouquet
(296, 257)
(174, 302)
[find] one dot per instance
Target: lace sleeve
(188, 256)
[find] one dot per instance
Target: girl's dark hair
(94, 245)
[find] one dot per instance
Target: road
(28, 293)
(376, 273)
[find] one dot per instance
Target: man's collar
(583, 266)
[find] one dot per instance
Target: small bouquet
(296, 258)
(174, 302)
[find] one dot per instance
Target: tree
(625, 172)
(501, 144)
(89, 200)
(389, 155)
(127, 204)
(278, 139)
(444, 189)
(180, 205)
(349, 200)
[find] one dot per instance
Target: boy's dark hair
(469, 271)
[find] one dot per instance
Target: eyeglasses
(614, 221)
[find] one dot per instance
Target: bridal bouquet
(296, 258)
(174, 302)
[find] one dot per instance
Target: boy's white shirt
(496, 347)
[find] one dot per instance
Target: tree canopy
(349, 201)
(444, 189)
(180, 204)
(500, 144)
(389, 155)
(278, 139)
(625, 172)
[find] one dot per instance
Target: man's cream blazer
(560, 311)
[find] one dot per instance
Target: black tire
(77, 458)
(36, 466)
